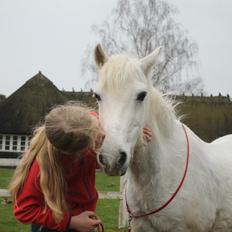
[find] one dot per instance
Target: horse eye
(97, 96)
(141, 96)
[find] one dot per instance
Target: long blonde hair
(68, 129)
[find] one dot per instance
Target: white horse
(199, 201)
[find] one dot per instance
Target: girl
(53, 187)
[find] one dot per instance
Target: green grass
(106, 183)
(8, 222)
(107, 210)
(5, 176)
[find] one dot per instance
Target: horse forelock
(118, 71)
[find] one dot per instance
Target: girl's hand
(147, 135)
(84, 222)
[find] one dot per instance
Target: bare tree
(140, 26)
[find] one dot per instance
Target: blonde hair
(71, 128)
(67, 129)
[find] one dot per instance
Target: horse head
(122, 93)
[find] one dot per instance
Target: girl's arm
(29, 207)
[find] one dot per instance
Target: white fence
(9, 162)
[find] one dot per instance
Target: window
(23, 143)
(7, 143)
(15, 143)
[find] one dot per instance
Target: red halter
(133, 215)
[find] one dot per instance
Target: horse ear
(100, 56)
(149, 61)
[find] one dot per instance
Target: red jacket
(81, 194)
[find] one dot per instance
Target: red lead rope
(133, 215)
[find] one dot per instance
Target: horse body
(200, 205)
(127, 103)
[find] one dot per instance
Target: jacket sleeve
(29, 207)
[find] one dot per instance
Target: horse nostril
(101, 159)
(122, 158)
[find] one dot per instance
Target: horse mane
(163, 111)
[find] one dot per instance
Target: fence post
(123, 215)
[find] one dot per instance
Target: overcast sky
(51, 36)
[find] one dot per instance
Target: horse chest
(175, 217)
(140, 199)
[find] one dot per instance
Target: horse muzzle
(114, 165)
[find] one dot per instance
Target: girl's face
(100, 135)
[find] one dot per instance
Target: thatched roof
(21, 111)
(85, 98)
(2, 97)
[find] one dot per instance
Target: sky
(52, 35)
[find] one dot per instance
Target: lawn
(107, 210)
(5, 176)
